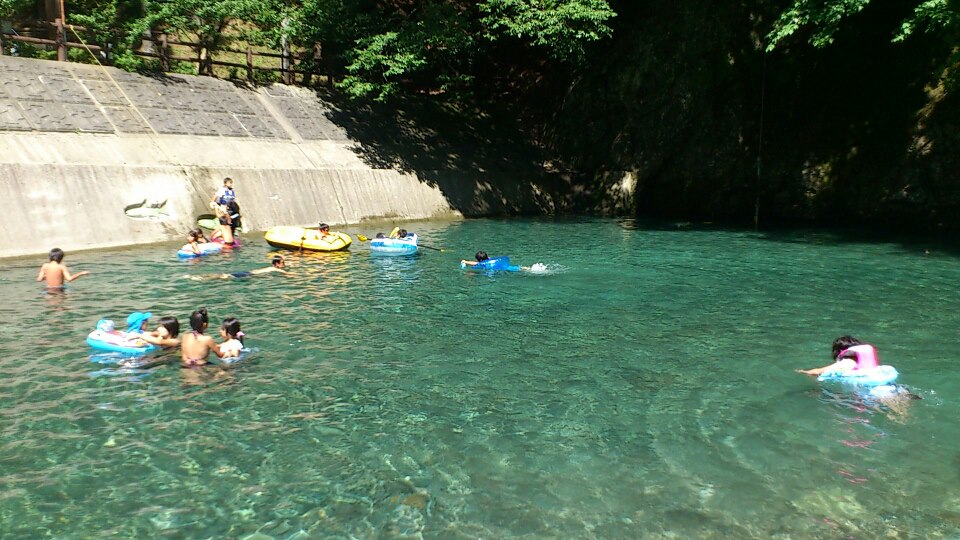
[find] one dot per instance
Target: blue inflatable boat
(395, 246)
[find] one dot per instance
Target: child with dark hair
(195, 346)
(480, 257)
(230, 332)
(192, 245)
(849, 354)
(165, 335)
(57, 273)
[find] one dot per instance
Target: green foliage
(437, 44)
(824, 18)
(562, 27)
(931, 16)
(12, 9)
(376, 48)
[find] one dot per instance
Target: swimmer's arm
(840, 365)
(43, 272)
(214, 347)
(156, 340)
(70, 277)
(468, 263)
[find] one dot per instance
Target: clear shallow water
(644, 387)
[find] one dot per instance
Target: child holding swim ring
(165, 335)
(849, 354)
(192, 244)
(230, 331)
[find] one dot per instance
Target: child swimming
(849, 354)
(230, 331)
(192, 243)
(195, 347)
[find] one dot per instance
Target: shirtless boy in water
(56, 273)
(195, 347)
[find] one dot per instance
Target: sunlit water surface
(642, 388)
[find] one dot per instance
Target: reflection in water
(644, 390)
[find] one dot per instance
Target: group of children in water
(195, 346)
(849, 353)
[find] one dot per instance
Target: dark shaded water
(643, 387)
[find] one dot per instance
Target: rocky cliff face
(862, 132)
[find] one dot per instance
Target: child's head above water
(324, 227)
(277, 261)
(137, 320)
(56, 254)
(402, 233)
(171, 325)
(482, 256)
(843, 343)
(230, 329)
(198, 320)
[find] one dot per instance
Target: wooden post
(285, 74)
(317, 58)
(164, 54)
(249, 63)
(61, 41)
(1, 42)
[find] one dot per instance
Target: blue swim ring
(877, 376)
(244, 355)
(206, 248)
(395, 246)
(493, 264)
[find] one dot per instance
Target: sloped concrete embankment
(93, 157)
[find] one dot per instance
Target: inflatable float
(878, 376)
(244, 355)
(236, 243)
(395, 246)
(297, 238)
(206, 248)
(207, 221)
(119, 342)
(492, 264)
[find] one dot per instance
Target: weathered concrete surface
(79, 144)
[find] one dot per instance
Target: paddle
(363, 238)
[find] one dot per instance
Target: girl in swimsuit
(230, 331)
(195, 346)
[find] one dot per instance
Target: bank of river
(643, 387)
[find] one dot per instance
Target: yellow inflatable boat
(297, 238)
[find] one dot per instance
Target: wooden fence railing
(291, 63)
(60, 42)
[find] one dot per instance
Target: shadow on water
(914, 242)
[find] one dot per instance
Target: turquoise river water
(642, 387)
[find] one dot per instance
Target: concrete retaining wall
(82, 206)
(79, 144)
